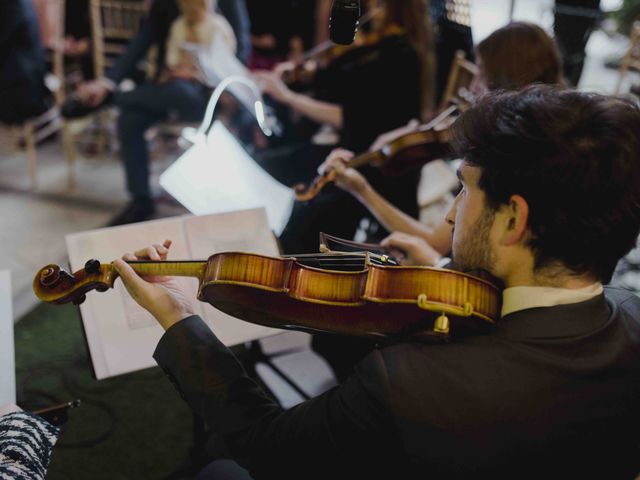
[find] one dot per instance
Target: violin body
(376, 301)
(342, 293)
(405, 153)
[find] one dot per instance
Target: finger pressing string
(153, 254)
(162, 251)
(129, 276)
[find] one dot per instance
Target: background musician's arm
(392, 218)
(317, 110)
(411, 250)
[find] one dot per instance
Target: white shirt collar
(515, 299)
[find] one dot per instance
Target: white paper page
(122, 335)
(244, 231)
(7, 356)
(221, 177)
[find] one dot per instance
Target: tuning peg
(80, 300)
(92, 266)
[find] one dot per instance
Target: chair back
(113, 24)
(632, 57)
(460, 77)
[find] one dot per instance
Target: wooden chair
(632, 57)
(460, 77)
(113, 24)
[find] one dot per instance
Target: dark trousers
(145, 106)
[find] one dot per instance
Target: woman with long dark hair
(379, 84)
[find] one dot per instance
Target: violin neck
(190, 268)
(366, 158)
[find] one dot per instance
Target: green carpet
(134, 426)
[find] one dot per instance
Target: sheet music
(121, 335)
(7, 357)
(229, 232)
(220, 176)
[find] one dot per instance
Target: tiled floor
(33, 223)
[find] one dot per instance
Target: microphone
(343, 23)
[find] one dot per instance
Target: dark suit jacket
(550, 393)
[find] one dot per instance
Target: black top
(378, 87)
(283, 19)
(550, 393)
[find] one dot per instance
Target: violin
(302, 69)
(360, 294)
(407, 152)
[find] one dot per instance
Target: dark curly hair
(574, 157)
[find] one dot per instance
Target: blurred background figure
(574, 20)
(23, 93)
(281, 30)
(173, 89)
(452, 27)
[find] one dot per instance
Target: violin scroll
(304, 192)
(53, 284)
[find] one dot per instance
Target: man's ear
(516, 220)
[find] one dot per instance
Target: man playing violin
(550, 201)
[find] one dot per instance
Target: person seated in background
(180, 91)
(549, 204)
(154, 31)
(502, 64)
(198, 28)
(26, 442)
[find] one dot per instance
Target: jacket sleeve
(345, 426)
